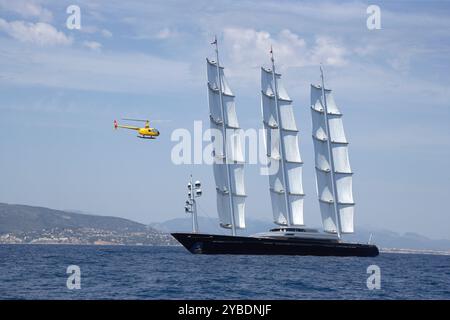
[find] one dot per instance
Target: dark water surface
(133, 272)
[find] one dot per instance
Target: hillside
(22, 218)
(29, 224)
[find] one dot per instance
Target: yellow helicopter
(144, 133)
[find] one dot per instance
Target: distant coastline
(88, 236)
(414, 251)
(22, 224)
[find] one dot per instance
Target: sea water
(141, 272)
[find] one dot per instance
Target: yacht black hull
(221, 244)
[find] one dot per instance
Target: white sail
(233, 151)
(342, 170)
(286, 188)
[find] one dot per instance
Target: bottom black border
(223, 309)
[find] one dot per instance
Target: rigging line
(207, 215)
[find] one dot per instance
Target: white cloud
(93, 45)
(106, 33)
(164, 33)
(328, 52)
(40, 33)
(93, 29)
(27, 9)
(289, 48)
(72, 68)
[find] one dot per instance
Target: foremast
(228, 155)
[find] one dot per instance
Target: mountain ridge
(24, 224)
(26, 218)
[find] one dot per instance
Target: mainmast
(285, 178)
(224, 134)
(283, 156)
(330, 157)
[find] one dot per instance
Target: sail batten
(282, 150)
(228, 160)
(339, 211)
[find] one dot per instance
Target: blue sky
(61, 89)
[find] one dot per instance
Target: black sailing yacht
(333, 175)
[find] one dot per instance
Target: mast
(194, 206)
(191, 204)
(330, 156)
(283, 156)
(233, 226)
